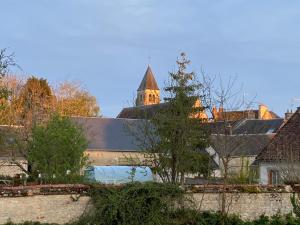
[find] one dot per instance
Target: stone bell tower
(148, 92)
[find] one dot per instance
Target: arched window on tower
(150, 98)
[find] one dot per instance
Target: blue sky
(107, 44)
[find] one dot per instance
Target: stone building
(148, 101)
(12, 160)
(110, 141)
(279, 161)
(262, 113)
(148, 92)
(240, 142)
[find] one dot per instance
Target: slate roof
(8, 135)
(109, 134)
(141, 112)
(148, 81)
(256, 126)
(240, 145)
(219, 127)
(244, 126)
(285, 146)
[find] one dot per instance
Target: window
(273, 177)
(150, 98)
(270, 131)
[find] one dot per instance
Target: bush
(179, 217)
(134, 204)
(56, 149)
(30, 223)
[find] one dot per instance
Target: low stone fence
(56, 203)
(247, 206)
(247, 201)
(22, 191)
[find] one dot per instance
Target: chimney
(221, 113)
(250, 115)
(288, 114)
(215, 113)
(262, 111)
(229, 129)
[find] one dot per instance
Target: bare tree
(7, 60)
(227, 104)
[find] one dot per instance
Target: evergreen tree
(179, 129)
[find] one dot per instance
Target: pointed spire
(148, 81)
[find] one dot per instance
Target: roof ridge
(278, 133)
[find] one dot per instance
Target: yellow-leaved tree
(73, 100)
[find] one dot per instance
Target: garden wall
(43, 208)
(54, 204)
(247, 205)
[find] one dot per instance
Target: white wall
(286, 171)
(8, 168)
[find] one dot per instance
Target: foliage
(73, 100)
(57, 147)
(30, 103)
(10, 111)
(30, 223)
(246, 175)
(175, 133)
(6, 61)
(180, 216)
(134, 204)
(197, 163)
(295, 204)
(35, 101)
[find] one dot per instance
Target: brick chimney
(262, 111)
(288, 114)
(215, 112)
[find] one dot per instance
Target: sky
(107, 44)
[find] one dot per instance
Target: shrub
(134, 204)
(56, 149)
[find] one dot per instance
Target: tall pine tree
(178, 128)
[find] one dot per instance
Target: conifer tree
(175, 135)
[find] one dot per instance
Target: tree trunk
(182, 179)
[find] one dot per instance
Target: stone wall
(43, 208)
(106, 158)
(8, 168)
(53, 204)
(246, 205)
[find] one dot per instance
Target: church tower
(148, 92)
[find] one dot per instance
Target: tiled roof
(238, 115)
(148, 81)
(285, 145)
